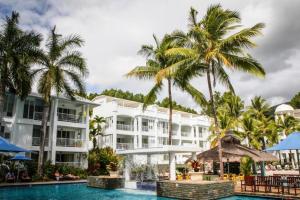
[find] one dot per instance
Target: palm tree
(61, 71)
(18, 51)
(157, 61)
(211, 42)
(287, 124)
(96, 128)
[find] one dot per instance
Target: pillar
(172, 167)
(149, 174)
(194, 156)
(140, 137)
(114, 134)
(127, 168)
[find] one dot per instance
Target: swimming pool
(80, 192)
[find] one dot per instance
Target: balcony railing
(69, 142)
(185, 134)
(125, 127)
(145, 145)
(73, 163)
(124, 146)
(145, 128)
(174, 132)
(36, 141)
(70, 118)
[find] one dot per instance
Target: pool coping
(271, 196)
(2, 185)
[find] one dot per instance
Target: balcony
(124, 146)
(69, 118)
(36, 141)
(125, 127)
(144, 145)
(174, 132)
(69, 142)
(185, 134)
(145, 128)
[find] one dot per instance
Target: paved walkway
(40, 183)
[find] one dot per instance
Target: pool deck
(41, 183)
(274, 194)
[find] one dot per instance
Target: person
(10, 177)
(57, 175)
(71, 177)
(25, 177)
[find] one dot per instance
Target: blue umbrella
(5, 146)
(292, 142)
(20, 157)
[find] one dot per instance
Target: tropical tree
(18, 52)
(216, 42)
(287, 124)
(157, 61)
(295, 101)
(61, 71)
(96, 128)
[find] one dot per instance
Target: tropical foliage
(61, 70)
(96, 127)
(295, 101)
(18, 52)
(246, 165)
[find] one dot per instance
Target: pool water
(72, 192)
(82, 192)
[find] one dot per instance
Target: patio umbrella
(5, 146)
(19, 157)
(292, 142)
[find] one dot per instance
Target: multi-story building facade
(130, 127)
(68, 127)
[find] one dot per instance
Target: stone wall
(195, 190)
(105, 182)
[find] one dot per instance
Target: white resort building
(68, 128)
(128, 128)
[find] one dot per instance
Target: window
(201, 144)
(36, 135)
(66, 111)
(65, 134)
(9, 105)
(4, 134)
(33, 109)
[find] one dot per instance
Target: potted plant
(113, 169)
(195, 165)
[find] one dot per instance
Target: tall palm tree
(61, 71)
(157, 61)
(96, 128)
(211, 41)
(287, 124)
(18, 51)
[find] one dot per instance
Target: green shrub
(246, 165)
(102, 160)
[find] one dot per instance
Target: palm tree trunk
(215, 121)
(42, 139)
(170, 110)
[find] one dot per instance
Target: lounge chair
(10, 177)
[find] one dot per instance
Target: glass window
(9, 105)
(33, 109)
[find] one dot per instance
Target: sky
(114, 31)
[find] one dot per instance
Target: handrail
(69, 118)
(125, 127)
(124, 146)
(69, 142)
(36, 141)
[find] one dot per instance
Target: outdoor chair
(248, 181)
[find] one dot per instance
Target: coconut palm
(211, 41)
(157, 61)
(96, 128)
(287, 124)
(18, 51)
(61, 71)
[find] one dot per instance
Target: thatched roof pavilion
(233, 151)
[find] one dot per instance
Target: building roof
(283, 108)
(131, 103)
(64, 97)
(233, 151)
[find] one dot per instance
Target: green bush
(246, 165)
(101, 160)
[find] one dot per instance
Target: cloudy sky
(114, 30)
